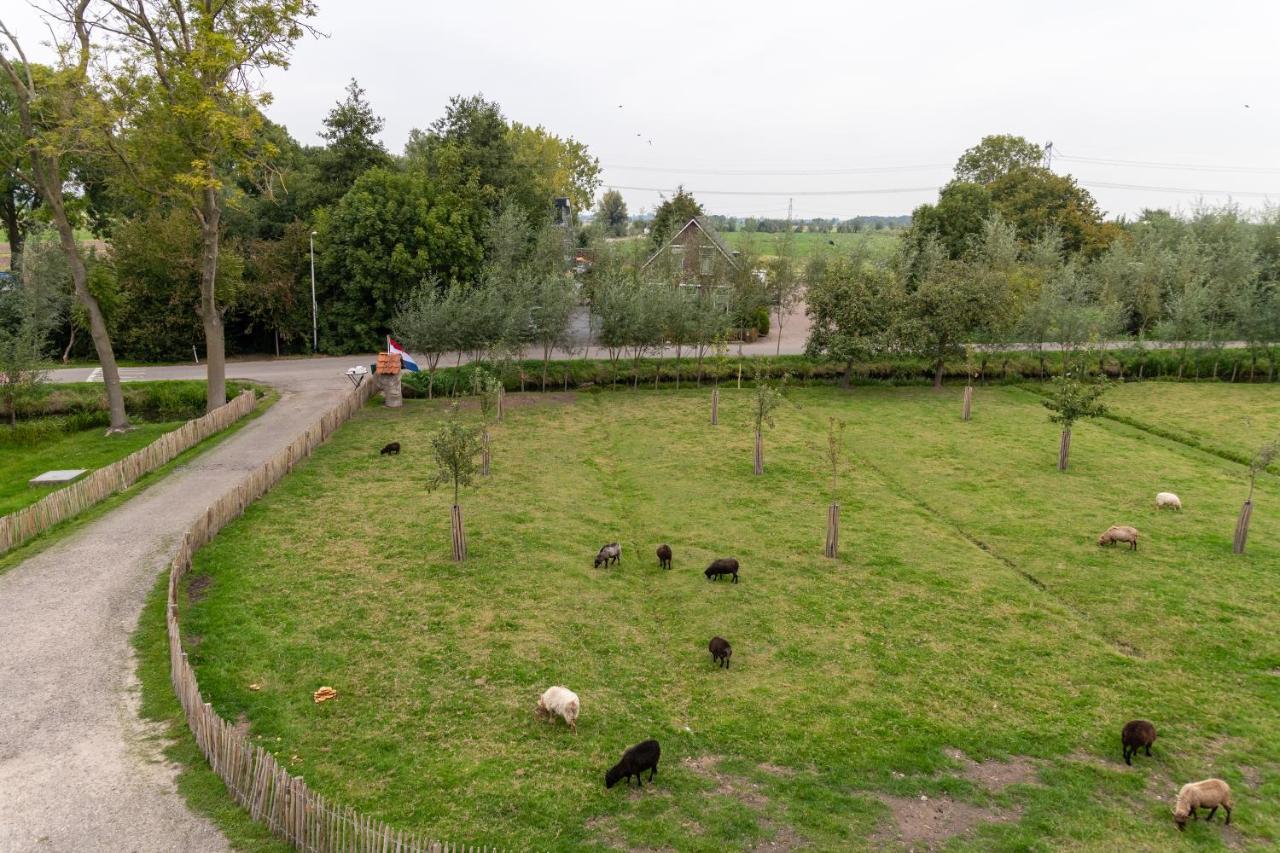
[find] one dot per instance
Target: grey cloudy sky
(685, 90)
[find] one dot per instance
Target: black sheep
(721, 651)
(723, 566)
(664, 556)
(392, 449)
(1136, 735)
(639, 758)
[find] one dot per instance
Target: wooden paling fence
(253, 776)
(28, 522)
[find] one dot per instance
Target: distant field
(808, 243)
(957, 678)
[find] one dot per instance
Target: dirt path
(78, 769)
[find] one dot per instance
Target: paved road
(78, 769)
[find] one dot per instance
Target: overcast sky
(668, 92)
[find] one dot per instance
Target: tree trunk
(759, 453)
(833, 531)
(847, 377)
(1064, 449)
(210, 214)
(938, 368)
(12, 224)
(71, 341)
(97, 323)
(502, 402)
(715, 405)
(968, 401)
(484, 453)
(1242, 527)
(459, 534)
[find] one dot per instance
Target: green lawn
(810, 243)
(1236, 418)
(85, 449)
(969, 610)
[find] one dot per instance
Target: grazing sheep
(612, 551)
(664, 556)
(1136, 735)
(392, 449)
(1120, 533)
(639, 758)
(1168, 499)
(723, 566)
(559, 701)
(1207, 794)
(721, 651)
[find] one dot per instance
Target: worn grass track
(850, 677)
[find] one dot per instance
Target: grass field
(880, 243)
(84, 449)
(971, 644)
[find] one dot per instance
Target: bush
(761, 320)
(73, 407)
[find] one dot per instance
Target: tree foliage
(672, 215)
(454, 447)
(995, 156)
(611, 214)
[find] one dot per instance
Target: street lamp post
(315, 336)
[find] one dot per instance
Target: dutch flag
(406, 360)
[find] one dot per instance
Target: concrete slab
(58, 478)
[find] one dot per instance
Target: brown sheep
(664, 556)
(1136, 735)
(1120, 533)
(720, 650)
(1207, 794)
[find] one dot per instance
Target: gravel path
(78, 769)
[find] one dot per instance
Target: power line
(1191, 167)
(781, 193)
(1182, 190)
(863, 170)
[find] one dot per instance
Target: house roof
(711, 234)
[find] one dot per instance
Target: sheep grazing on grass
(723, 566)
(612, 551)
(1120, 533)
(1136, 735)
(392, 449)
(664, 556)
(1168, 499)
(639, 758)
(559, 701)
(1208, 794)
(721, 651)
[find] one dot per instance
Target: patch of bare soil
(926, 822)
(198, 588)
(995, 776)
(777, 770)
(782, 836)
(1252, 776)
(241, 725)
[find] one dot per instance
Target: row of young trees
(1203, 281)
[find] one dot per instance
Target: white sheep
(1207, 794)
(1168, 499)
(561, 701)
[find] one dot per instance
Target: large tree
(351, 131)
(673, 214)
(611, 213)
(56, 111)
(995, 156)
(956, 219)
(390, 233)
(189, 95)
(851, 308)
(1033, 199)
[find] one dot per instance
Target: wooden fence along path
(252, 775)
(28, 522)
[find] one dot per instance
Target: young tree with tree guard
(835, 454)
(1262, 459)
(767, 396)
(57, 109)
(454, 447)
(1070, 401)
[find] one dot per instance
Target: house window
(677, 256)
(707, 263)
